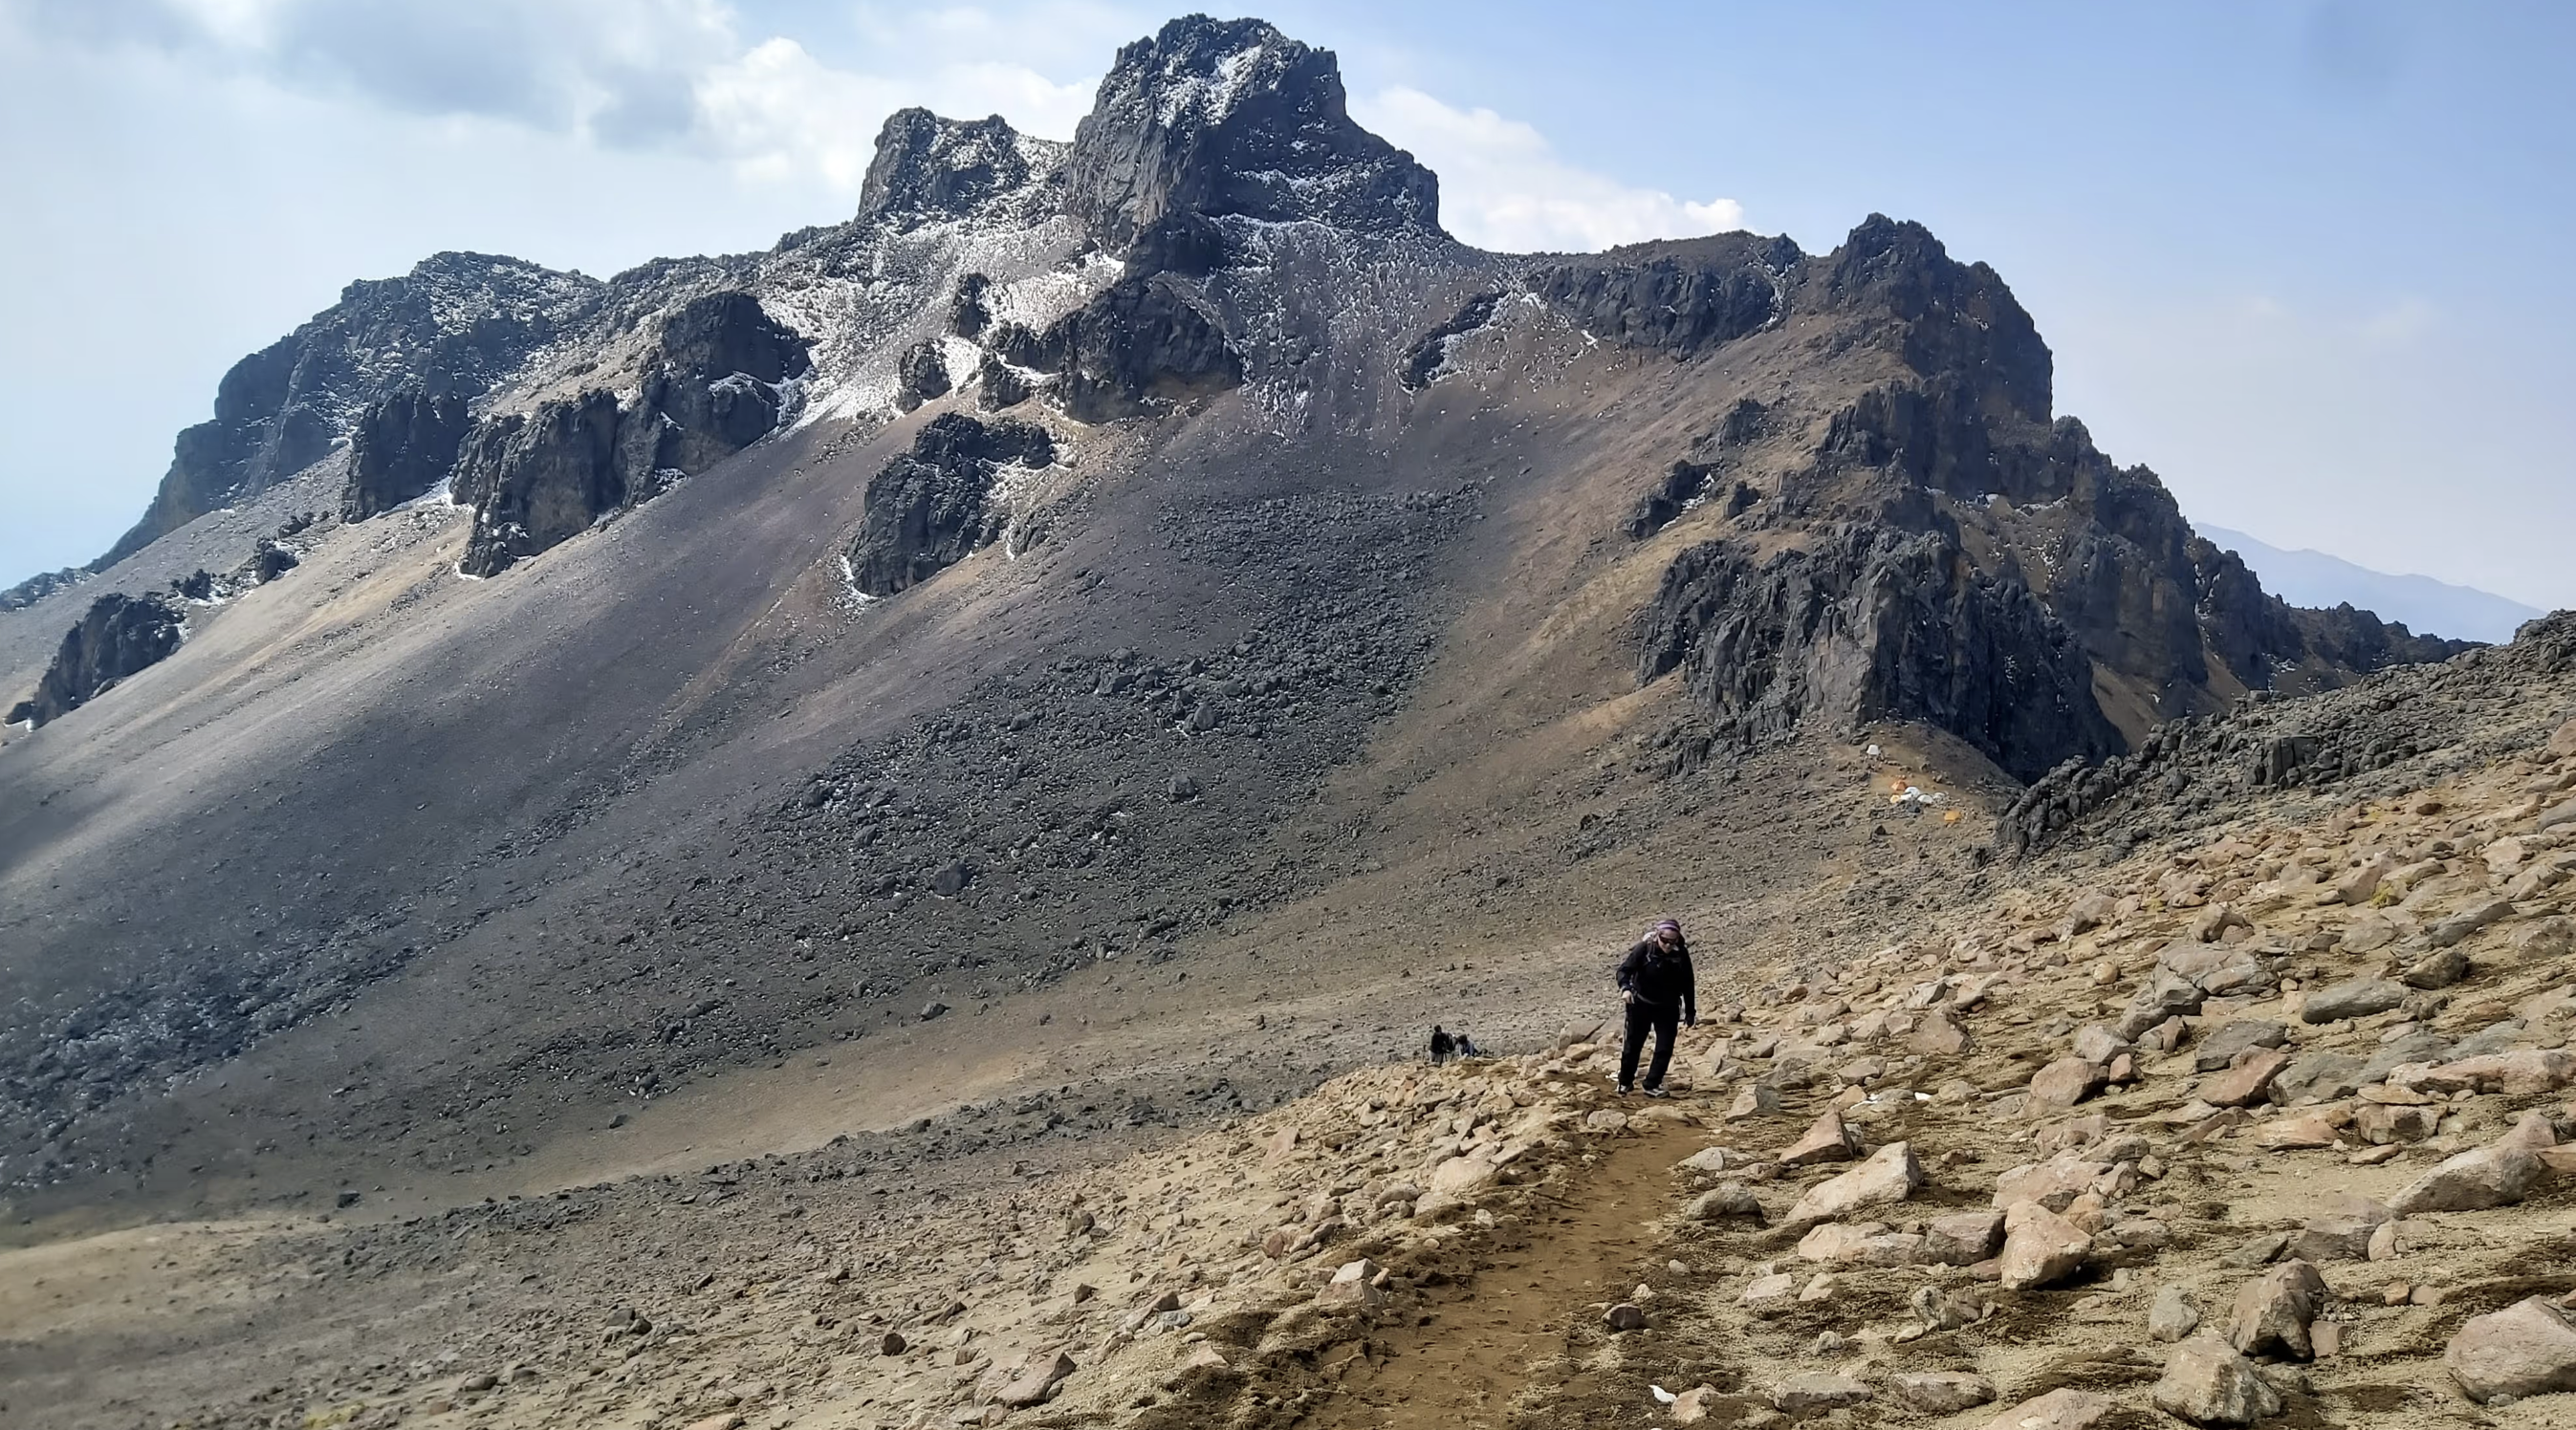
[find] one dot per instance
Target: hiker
(1445, 1046)
(1655, 979)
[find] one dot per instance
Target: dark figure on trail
(1445, 1046)
(1656, 980)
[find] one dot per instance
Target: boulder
(2472, 1181)
(1963, 1239)
(2468, 921)
(1938, 1035)
(2439, 969)
(1457, 1180)
(2528, 1348)
(2352, 998)
(1732, 1199)
(1860, 1244)
(1941, 1392)
(1811, 1391)
(2321, 1075)
(1759, 1100)
(1770, 1295)
(2172, 1316)
(2065, 1408)
(2357, 886)
(1826, 1140)
(2273, 1311)
(2040, 1247)
(1354, 1285)
(1036, 1378)
(2337, 1238)
(2524, 1072)
(1889, 1176)
(2246, 1082)
(2066, 1082)
(2097, 1044)
(2207, 1383)
(2218, 1048)
(2055, 1183)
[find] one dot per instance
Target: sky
(2305, 258)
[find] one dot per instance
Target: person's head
(1668, 933)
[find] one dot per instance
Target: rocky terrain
(696, 813)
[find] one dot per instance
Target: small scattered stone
(1941, 1392)
(2172, 1316)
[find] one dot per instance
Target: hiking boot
(1625, 1089)
(1655, 1092)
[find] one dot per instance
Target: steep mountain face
(1085, 553)
(713, 383)
(453, 326)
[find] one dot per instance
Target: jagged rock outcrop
(1871, 624)
(713, 387)
(457, 323)
(1140, 342)
(920, 375)
(37, 587)
(927, 169)
(1424, 360)
(119, 636)
(1682, 297)
(1232, 118)
(403, 446)
(930, 508)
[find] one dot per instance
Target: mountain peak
(928, 168)
(1232, 118)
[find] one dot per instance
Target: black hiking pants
(1663, 1018)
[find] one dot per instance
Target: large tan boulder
(2475, 1180)
(1827, 1139)
(2040, 1247)
(2063, 1409)
(1889, 1176)
(2528, 1348)
(2207, 1383)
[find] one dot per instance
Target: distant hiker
(1445, 1046)
(1656, 980)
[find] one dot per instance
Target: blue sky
(2304, 258)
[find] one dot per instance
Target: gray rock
(2172, 1316)
(2352, 998)
(2472, 1181)
(2468, 921)
(2219, 1046)
(1811, 1391)
(2207, 1383)
(1940, 1392)
(1732, 1199)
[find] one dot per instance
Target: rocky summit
(871, 834)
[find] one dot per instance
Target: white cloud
(1503, 187)
(779, 115)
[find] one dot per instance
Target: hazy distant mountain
(2426, 606)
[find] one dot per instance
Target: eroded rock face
(1223, 118)
(1682, 298)
(713, 386)
(455, 324)
(1875, 623)
(119, 636)
(1139, 343)
(929, 508)
(403, 446)
(928, 168)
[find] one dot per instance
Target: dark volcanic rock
(37, 587)
(1875, 624)
(920, 375)
(403, 446)
(928, 168)
(1685, 483)
(119, 636)
(1141, 341)
(967, 313)
(1683, 298)
(927, 509)
(713, 388)
(1423, 361)
(536, 478)
(999, 385)
(456, 323)
(1233, 118)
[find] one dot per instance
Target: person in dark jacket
(1656, 980)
